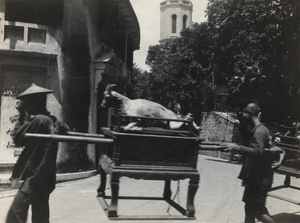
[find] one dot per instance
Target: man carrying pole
(36, 165)
(257, 169)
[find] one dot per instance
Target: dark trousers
(253, 211)
(255, 200)
(19, 209)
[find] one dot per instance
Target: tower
(175, 15)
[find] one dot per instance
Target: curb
(60, 178)
(63, 177)
(9, 193)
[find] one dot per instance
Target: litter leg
(167, 190)
(101, 188)
(112, 210)
(192, 189)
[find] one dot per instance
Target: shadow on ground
(223, 161)
(287, 217)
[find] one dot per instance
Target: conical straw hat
(34, 89)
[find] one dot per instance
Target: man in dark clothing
(36, 165)
(256, 172)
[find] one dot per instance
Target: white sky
(148, 14)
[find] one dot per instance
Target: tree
(252, 46)
(181, 70)
(140, 83)
(256, 43)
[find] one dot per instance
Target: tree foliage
(257, 51)
(251, 46)
(180, 70)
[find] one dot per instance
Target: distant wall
(219, 127)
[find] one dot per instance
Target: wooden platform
(290, 167)
(149, 157)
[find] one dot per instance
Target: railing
(223, 108)
(275, 128)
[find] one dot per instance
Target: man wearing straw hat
(36, 165)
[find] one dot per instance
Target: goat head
(107, 97)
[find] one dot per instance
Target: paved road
(218, 198)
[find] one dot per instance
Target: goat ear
(109, 87)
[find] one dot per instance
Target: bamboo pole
(67, 138)
(84, 134)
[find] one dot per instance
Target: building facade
(74, 47)
(175, 15)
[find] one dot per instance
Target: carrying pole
(215, 146)
(67, 138)
(70, 133)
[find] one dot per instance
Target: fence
(223, 108)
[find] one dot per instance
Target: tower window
(174, 18)
(184, 20)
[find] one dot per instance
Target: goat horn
(109, 87)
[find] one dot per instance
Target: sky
(148, 15)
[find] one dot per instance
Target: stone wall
(219, 127)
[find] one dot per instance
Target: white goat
(141, 107)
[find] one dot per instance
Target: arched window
(174, 17)
(184, 20)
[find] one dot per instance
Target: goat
(141, 107)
